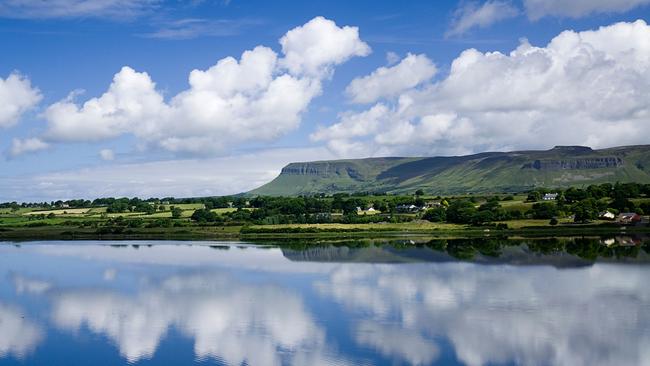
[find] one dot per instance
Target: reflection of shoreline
(557, 253)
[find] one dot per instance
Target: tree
(534, 196)
(544, 210)
(585, 210)
(203, 215)
(419, 192)
(461, 211)
(177, 213)
(437, 214)
(553, 222)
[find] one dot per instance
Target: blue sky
(356, 79)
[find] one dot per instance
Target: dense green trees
(544, 210)
(177, 213)
(438, 214)
(203, 215)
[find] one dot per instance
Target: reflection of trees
(461, 249)
(469, 248)
(466, 249)
(585, 248)
(546, 246)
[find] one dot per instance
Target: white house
(550, 197)
(606, 215)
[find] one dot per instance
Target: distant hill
(516, 171)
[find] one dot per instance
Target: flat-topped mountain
(515, 171)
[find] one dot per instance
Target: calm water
(553, 302)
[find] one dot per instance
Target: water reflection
(556, 302)
(18, 335)
(531, 316)
(227, 320)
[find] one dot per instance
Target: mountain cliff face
(515, 171)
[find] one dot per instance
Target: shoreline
(287, 232)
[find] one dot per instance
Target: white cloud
(582, 88)
(130, 103)
(178, 178)
(107, 154)
(39, 9)
(392, 58)
(319, 44)
(472, 15)
(190, 28)
(390, 81)
(537, 9)
(30, 145)
(17, 96)
(249, 99)
(352, 126)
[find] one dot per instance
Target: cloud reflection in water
(227, 319)
(499, 314)
(242, 306)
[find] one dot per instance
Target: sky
(155, 98)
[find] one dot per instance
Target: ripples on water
(466, 302)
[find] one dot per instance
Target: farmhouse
(550, 197)
(408, 208)
(629, 218)
(606, 215)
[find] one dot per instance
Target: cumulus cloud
(107, 154)
(16, 97)
(581, 88)
(261, 96)
(537, 9)
(390, 81)
(25, 146)
(473, 15)
(40, 9)
(316, 46)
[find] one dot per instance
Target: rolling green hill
(515, 171)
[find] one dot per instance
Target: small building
(370, 211)
(550, 197)
(606, 215)
(629, 218)
(407, 208)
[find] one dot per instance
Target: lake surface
(450, 302)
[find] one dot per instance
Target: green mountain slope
(561, 166)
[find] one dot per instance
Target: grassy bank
(64, 230)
